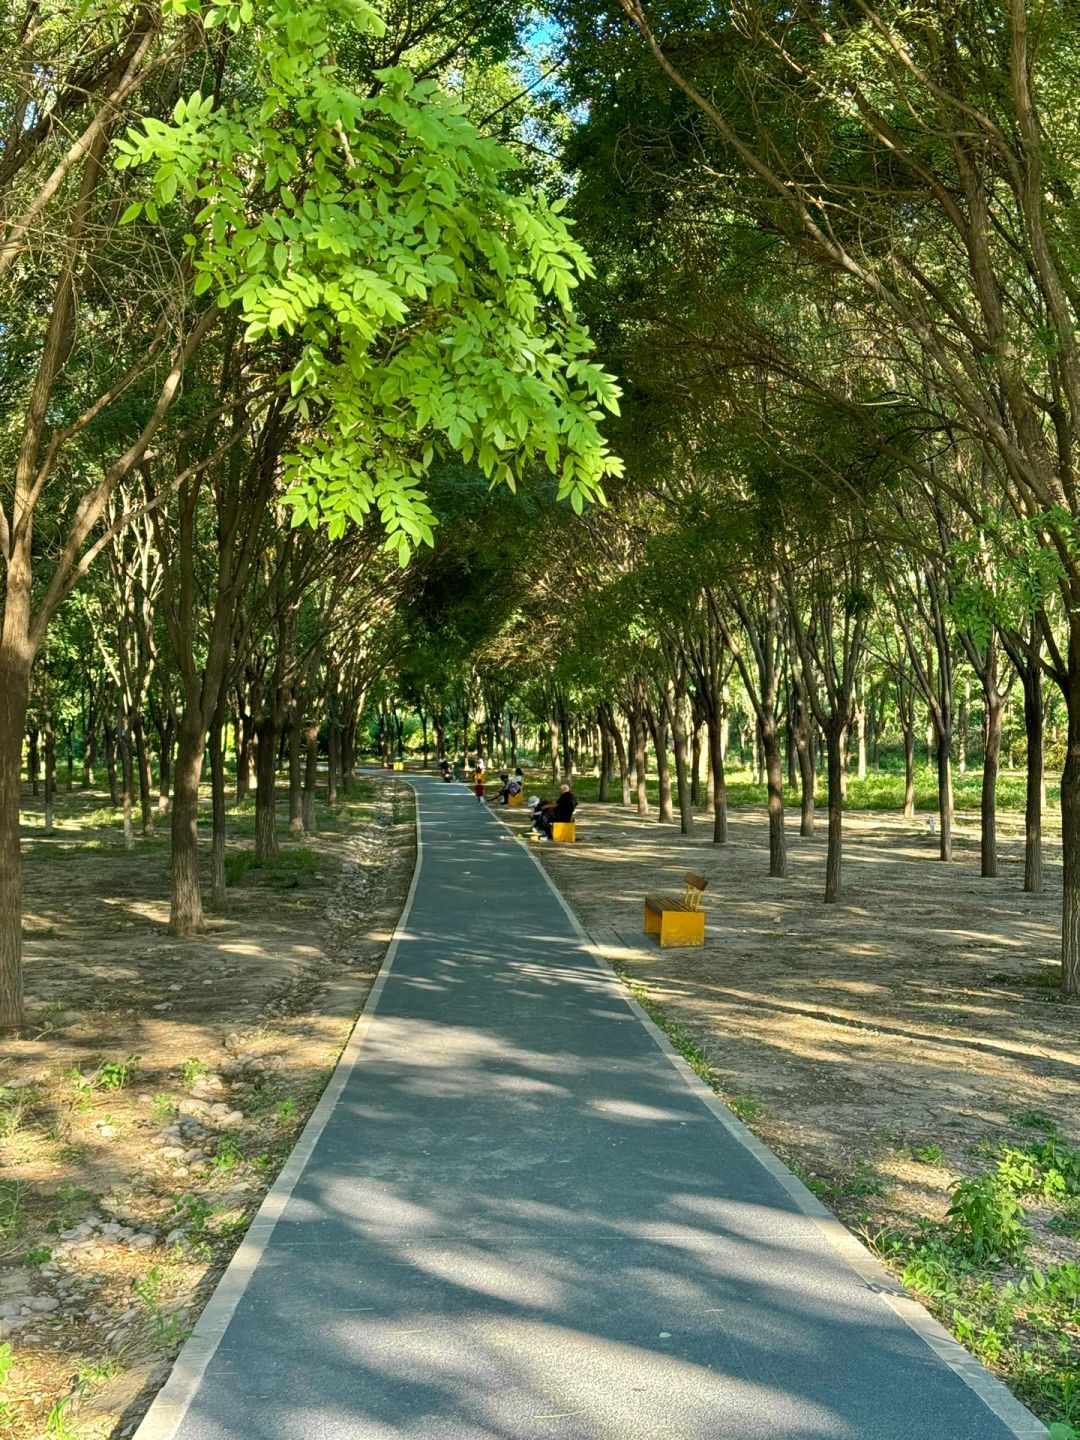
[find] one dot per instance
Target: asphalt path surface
(521, 1222)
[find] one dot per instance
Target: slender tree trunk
(807, 775)
(860, 721)
(186, 911)
(69, 756)
(244, 742)
(605, 765)
(219, 828)
(717, 723)
(695, 763)
(14, 691)
(33, 760)
(166, 736)
(553, 736)
(127, 773)
(296, 796)
(1031, 678)
(961, 736)
(909, 772)
(640, 761)
(146, 808)
(311, 774)
(834, 855)
(995, 706)
(110, 765)
(333, 760)
(1070, 830)
(89, 755)
(774, 774)
(266, 844)
(682, 779)
(50, 775)
(659, 729)
(945, 793)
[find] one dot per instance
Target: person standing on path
(478, 783)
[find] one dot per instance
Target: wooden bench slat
(696, 882)
(665, 902)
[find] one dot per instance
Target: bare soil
(124, 1190)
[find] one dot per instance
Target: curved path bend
(515, 1215)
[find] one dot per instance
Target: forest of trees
(613, 384)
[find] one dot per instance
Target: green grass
(882, 790)
(287, 870)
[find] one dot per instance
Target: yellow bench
(677, 922)
(564, 832)
(398, 765)
(518, 799)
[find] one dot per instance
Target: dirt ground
(126, 1184)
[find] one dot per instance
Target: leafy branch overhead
(423, 308)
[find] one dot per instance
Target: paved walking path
(521, 1222)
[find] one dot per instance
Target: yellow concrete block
(518, 799)
(564, 832)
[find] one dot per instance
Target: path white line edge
(994, 1393)
(173, 1400)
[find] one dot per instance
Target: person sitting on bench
(560, 813)
(511, 786)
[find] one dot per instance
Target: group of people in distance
(545, 813)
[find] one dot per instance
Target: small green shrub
(192, 1069)
(987, 1221)
(115, 1074)
(12, 1194)
(929, 1154)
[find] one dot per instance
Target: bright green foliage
(365, 228)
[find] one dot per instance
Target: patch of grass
(73, 1202)
(285, 1110)
(7, 1359)
(115, 1074)
(15, 1104)
(929, 1154)
(288, 869)
(163, 1107)
(1034, 1120)
(37, 1256)
(191, 1069)
(12, 1196)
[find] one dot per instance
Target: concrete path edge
(994, 1393)
(172, 1401)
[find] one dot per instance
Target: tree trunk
(110, 765)
(69, 755)
(166, 735)
(218, 833)
(807, 776)
(89, 758)
(50, 775)
(296, 797)
(245, 740)
(659, 728)
(14, 690)
(774, 774)
(640, 747)
(266, 845)
(695, 763)
(1070, 833)
(311, 774)
(995, 706)
(142, 758)
(860, 721)
(682, 779)
(909, 772)
(834, 855)
(127, 775)
(33, 760)
(605, 765)
(717, 722)
(333, 760)
(186, 911)
(553, 737)
(945, 793)
(1031, 678)
(961, 739)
